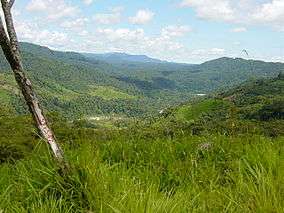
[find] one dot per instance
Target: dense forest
(77, 84)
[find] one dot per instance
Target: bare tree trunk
(10, 46)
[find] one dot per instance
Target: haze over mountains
(119, 83)
(117, 57)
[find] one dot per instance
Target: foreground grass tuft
(232, 174)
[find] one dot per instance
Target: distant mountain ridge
(117, 57)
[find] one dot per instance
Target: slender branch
(10, 46)
(4, 2)
(11, 3)
(5, 44)
(3, 36)
(10, 25)
(8, 4)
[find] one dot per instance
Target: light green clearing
(109, 93)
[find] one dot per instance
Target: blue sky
(190, 31)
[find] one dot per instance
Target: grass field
(119, 173)
(109, 93)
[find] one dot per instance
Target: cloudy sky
(189, 31)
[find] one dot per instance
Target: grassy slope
(254, 107)
(109, 93)
(237, 174)
(8, 89)
(194, 111)
(146, 169)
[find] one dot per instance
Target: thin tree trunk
(10, 46)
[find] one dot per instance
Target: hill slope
(254, 107)
(204, 156)
(76, 84)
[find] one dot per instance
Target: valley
(75, 84)
(222, 152)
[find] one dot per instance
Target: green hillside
(64, 82)
(255, 107)
(222, 153)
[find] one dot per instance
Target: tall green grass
(211, 173)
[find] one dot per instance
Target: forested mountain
(89, 84)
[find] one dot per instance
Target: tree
(10, 46)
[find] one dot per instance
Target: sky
(189, 31)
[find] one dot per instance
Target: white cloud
(133, 41)
(88, 2)
(175, 31)
(270, 13)
(208, 52)
(113, 17)
(277, 59)
(54, 9)
(239, 29)
(30, 32)
(246, 12)
(84, 33)
(37, 5)
(217, 51)
(205, 54)
(123, 34)
(209, 9)
(142, 17)
(76, 24)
